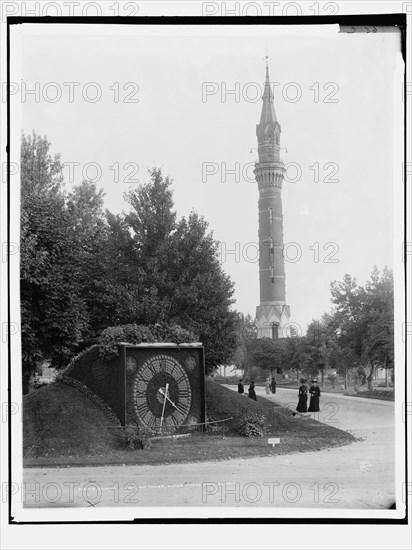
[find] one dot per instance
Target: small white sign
(273, 441)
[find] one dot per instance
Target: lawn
(63, 428)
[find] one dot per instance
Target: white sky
(172, 127)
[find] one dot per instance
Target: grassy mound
(224, 403)
(59, 420)
(62, 427)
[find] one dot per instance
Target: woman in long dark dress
(303, 397)
(273, 385)
(314, 397)
(252, 393)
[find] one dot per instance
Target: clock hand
(164, 405)
(171, 402)
(167, 397)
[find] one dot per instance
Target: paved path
(360, 475)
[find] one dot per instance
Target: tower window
(277, 139)
(270, 216)
(272, 275)
(271, 248)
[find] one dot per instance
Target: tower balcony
(269, 175)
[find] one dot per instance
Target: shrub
(110, 338)
(136, 437)
(253, 425)
(215, 429)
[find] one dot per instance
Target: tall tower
(273, 313)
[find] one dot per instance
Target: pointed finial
(266, 60)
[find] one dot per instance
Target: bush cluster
(253, 425)
(136, 437)
(110, 338)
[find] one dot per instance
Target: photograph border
(398, 20)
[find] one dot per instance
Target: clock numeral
(168, 422)
(175, 420)
(178, 417)
(142, 408)
(149, 419)
(141, 401)
(146, 375)
(152, 368)
(141, 386)
(182, 380)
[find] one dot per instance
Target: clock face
(162, 393)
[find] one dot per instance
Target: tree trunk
(245, 367)
(370, 377)
(386, 374)
(26, 385)
(355, 378)
(26, 381)
(346, 380)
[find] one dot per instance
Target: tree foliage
(265, 354)
(84, 269)
(358, 333)
(53, 311)
(246, 334)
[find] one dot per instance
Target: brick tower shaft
(272, 314)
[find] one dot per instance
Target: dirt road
(360, 475)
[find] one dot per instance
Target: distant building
(229, 370)
(382, 374)
(47, 374)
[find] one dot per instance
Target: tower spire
(268, 115)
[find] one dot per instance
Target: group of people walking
(303, 397)
(251, 390)
(270, 386)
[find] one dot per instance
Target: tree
(266, 355)
(84, 205)
(379, 343)
(53, 314)
(179, 275)
(363, 321)
(293, 349)
(246, 333)
(315, 346)
(152, 218)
